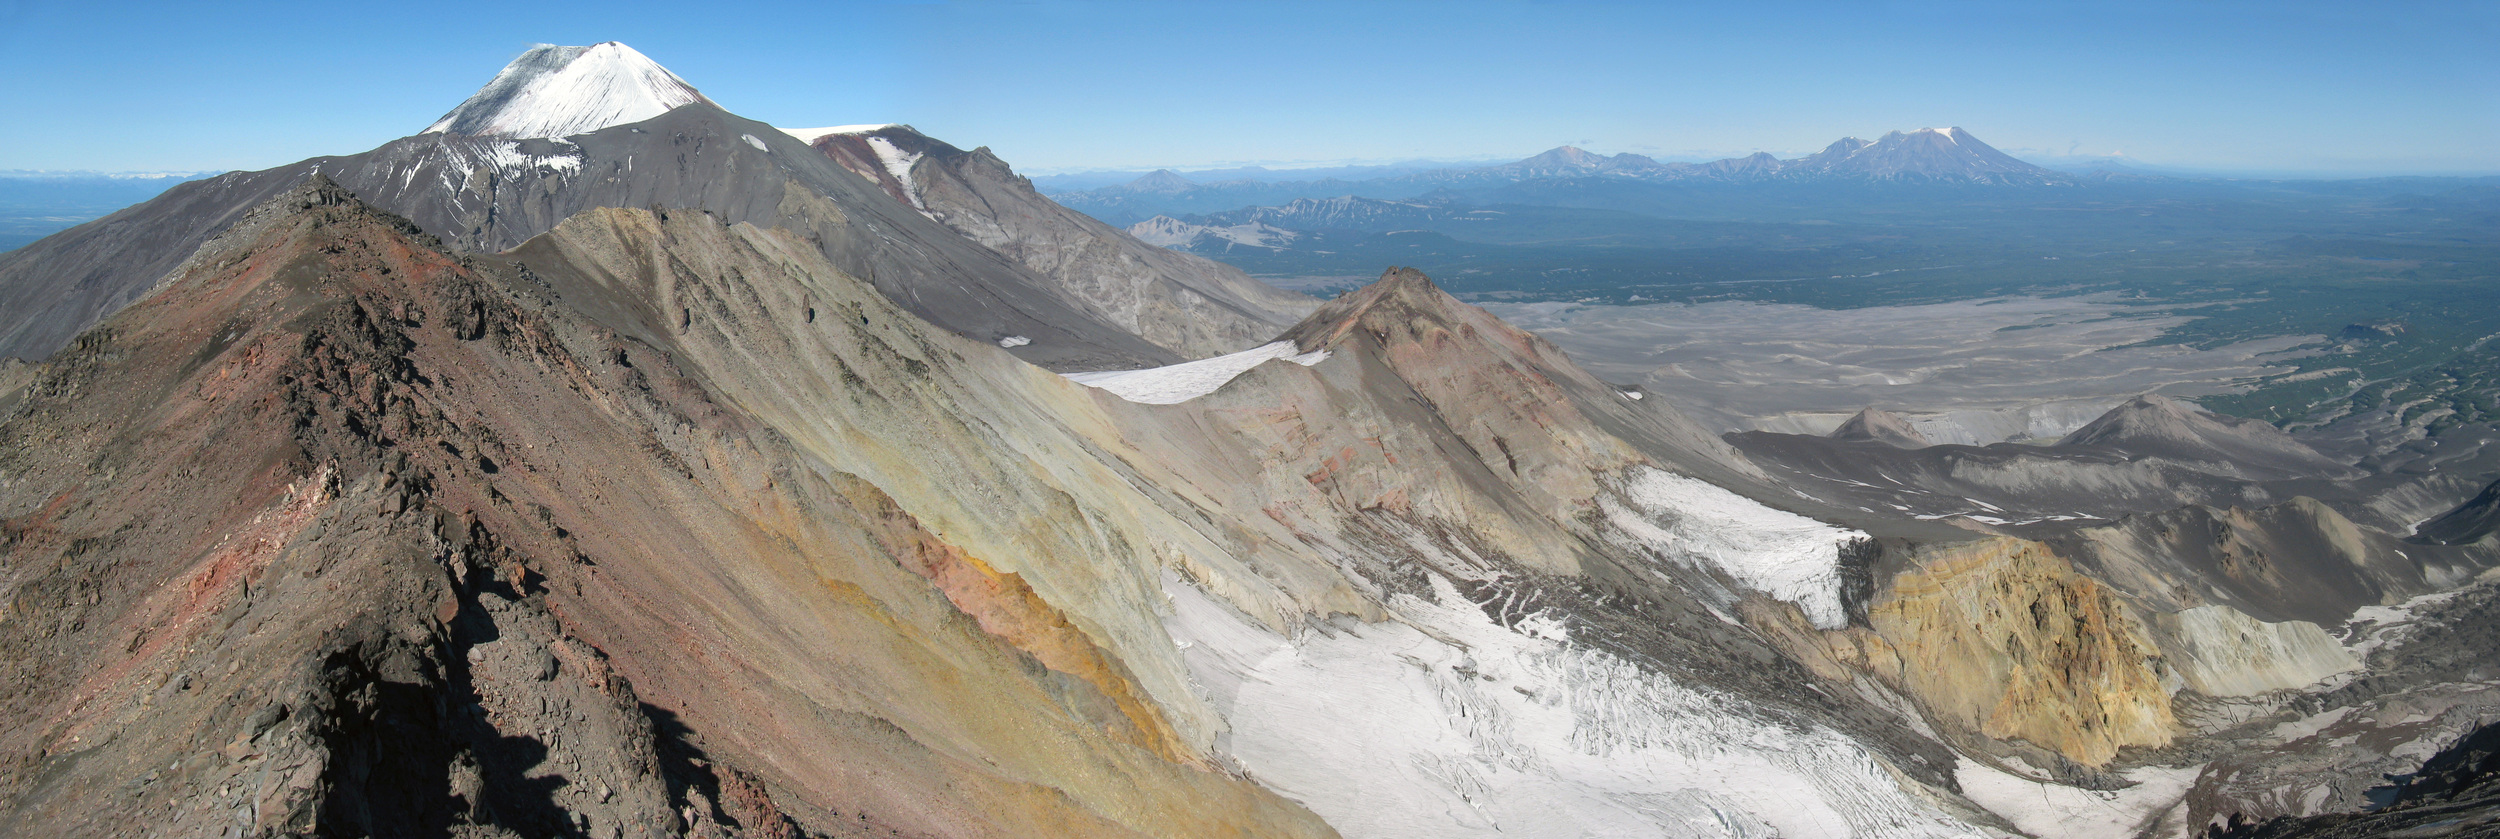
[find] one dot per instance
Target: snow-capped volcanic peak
(1947, 133)
(553, 92)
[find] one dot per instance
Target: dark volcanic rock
(2470, 522)
(2456, 793)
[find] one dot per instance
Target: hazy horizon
(2283, 90)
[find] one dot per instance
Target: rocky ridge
(1183, 303)
(473, 536)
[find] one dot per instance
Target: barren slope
(399, 543)
(1187, 304)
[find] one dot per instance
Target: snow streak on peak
(1947, 132)
(898, 163)
(552, 91)
(809, 135)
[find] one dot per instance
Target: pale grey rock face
(1187, 304)
(2221, 651)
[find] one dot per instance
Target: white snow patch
(562, 91)
(898, 163)
(1633, 395)
(1696, 524)
(1191, 379)
(1441, 723)
(507, 156)
(809, 135)
(2046, 809)
(1013, 341)
(1947, 132)
(755, 141)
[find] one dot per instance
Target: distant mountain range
(1931, 154)
(1928, 156)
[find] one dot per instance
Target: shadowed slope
(2473, 521)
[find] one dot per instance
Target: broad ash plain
(600, 463)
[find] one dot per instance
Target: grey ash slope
(1881, 426)
(2156, 426)
(2148, 455)
(488, 193)
(1187, 304)
(2176, 504)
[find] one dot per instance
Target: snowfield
(1699, 525)
(562, 91)
(1189, 380)
(1441, 723)
(2064, 812)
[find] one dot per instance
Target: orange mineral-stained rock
(2002, 637)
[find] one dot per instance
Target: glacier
(1441, 723)
(1700, 525)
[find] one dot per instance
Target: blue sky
(2330, 89)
